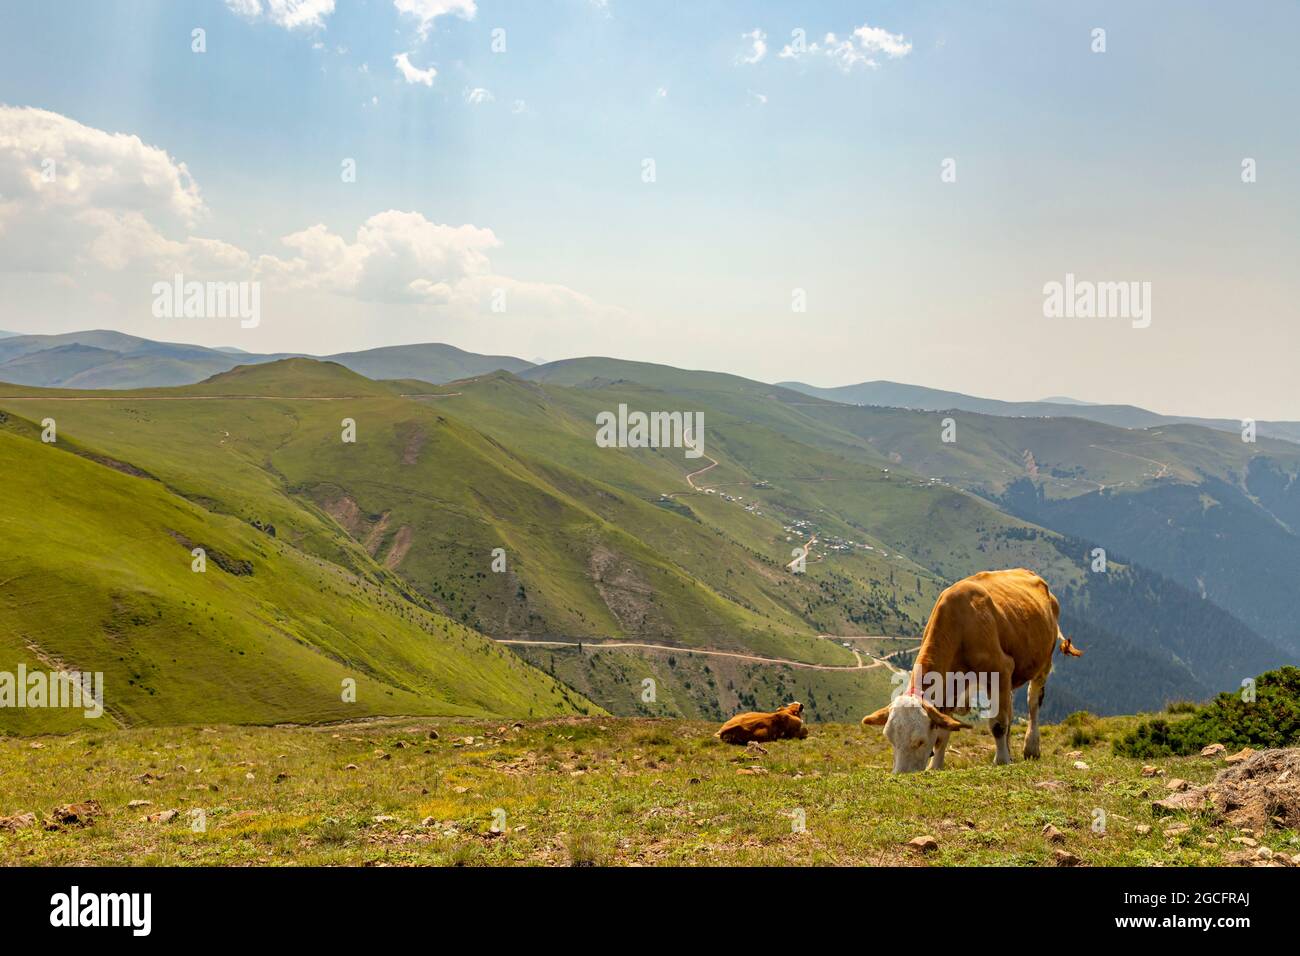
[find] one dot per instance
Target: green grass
(97, 576)
(582, 791)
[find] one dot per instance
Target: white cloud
(862, 47)
(519, 107)
(757, 46)
(759, 98)
(290, 14)
(403, 258)
(413, 74)
(879, 40)
(250, 9)
(77, 197)
(478, 95)
(395, 257)
(115, 206)
(845, 55)
(427, 11)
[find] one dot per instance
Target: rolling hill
(677, 566)
(1218, 516)
(430, 498)
(989, 455)
(105, 359)
(431, 362)
(896, 395)
(98, 575)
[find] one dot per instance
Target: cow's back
(745, 727)
(1013, 609)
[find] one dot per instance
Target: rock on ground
(17, 822)
(923, 844)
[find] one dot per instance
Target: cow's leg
(1034, 694)
(1000, 723)
(940, 745)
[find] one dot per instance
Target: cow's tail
(1066, 647)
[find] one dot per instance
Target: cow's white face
(912, 728)
(911, 733)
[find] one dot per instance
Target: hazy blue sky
(820, 170)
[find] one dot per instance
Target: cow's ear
(878, 718)
(942, 720)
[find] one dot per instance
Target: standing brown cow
(994, 629)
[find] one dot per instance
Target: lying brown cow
(987, 635)
(778, 725)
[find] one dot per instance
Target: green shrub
(1083, 728)
(1083, 736)
(1271, 720)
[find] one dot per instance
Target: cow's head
(790, 719)
(912, 726)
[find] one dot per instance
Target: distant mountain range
(895, 395)
(114, 360)
(102, 359)
(105, 359)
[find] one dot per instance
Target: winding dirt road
(586, 645)
(690, 479)
(807, 551)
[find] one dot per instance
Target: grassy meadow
(583, 791)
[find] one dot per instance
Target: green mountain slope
(1217, 515)
(922, 533)
(646, 546)
(431, 497)
(97, 573)
(1216, 538)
